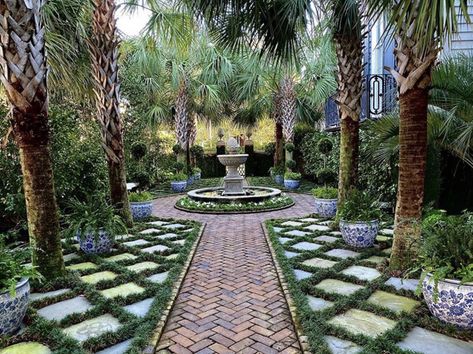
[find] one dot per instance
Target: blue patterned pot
(454, 304)
(190, 180)
(90, 245)
(279, 179)
(197, 176)
(13, 309)
(326, 208)
(141, 210)
(178, 186)
(291, 184)
(359, 234)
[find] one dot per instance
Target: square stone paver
(150, 231)
(292, 223)
(278, 229)
(122, 290)
(338, 287)
(375, 259)
(166, 236)
(336, 233)
(59, 310)
(158, 223)
(70, 257)
(156, 248)
(289, 254)
(423, 341)
(319, 263)
(173, 226)
(387, 232)
(179, 242)
(139, 242)
(158, 278)
(317, 228)
(309, 220)
(284, 240)
(362, 273)
(382, 238)
(306, 246)
(172, 256)
(93, 328)
(393, 302)
(325, 238)
(142, 266)
(363, 322)
(26, 348)
(387, 251)
(124, 237)
(297, 233)
(302, 274)
(141, 308)
(340, 346)
(121, 257)
(405, 284)
(95, 278)
(82, 266)
(318, 304)
(119, 348)
(342, 253)
(49, 294)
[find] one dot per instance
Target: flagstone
(158, 223)
(301, 274)
(172, 256)
(123, 290)
(62, 309)
(292, 223)
(49, 294)
(404, 284)
(119, 348)
(284, 240)
(26, 348)
(338, 287)
(363, 322)
(121, 257)
(362, 273)
(150, 231)
(387, 251)
(297, 233)
(142, 266)
(155, 248)
(393, 302)
(124, 237)
(340, 346)
(93, 328)
(342, 253)
(319, 263)
(139, 242)
(173, 226)
(95, 278)
(386, 232)
(158, 278)
(166, 236)
(179, 242)
(427, 342)
(318, 304)
(309, 220)
(82, 266)
(325, 238)
(317, 228)
(382, 238)
(141, 308)
(289, 254)
(336, 233)
(306, 246)
(278, 229)
(375, 259)
(70, 257)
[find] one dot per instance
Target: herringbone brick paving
(231, 300)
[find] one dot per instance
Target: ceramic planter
(197, 176)
(190, 180)
(13, 309)
(326, 208)
(94, 244)
(178, 186)
(360, 234)
(141, 210)
(454, 304)
(291, 184)
(279, 179)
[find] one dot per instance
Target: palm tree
(420, 28)
(104, 53)
(288, 110)
(24, 75)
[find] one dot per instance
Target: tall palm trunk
(181, 119)
(287, 111)
(278, 131)
(104, 52)
(350, 87)
(23, 72)
(413, 78)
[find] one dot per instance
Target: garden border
(152, 347)
(235, 211)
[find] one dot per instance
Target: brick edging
(158, 331)
(303, 341)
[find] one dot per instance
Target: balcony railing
(379, 98)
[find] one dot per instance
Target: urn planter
(292, 184)
(13, 308)
(326, 208)
(190, 180)
(279, 179)
(359, 234)
(141, 210)
(95, 244)
(453, 303)
(197, 176)
(178, 186)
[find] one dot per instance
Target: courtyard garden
(236, 177)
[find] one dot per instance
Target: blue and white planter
(197, 176)
(141, 210)
(326, 208)
(454, 304)
(359, 234)
(291, 184)
(95, 244)
(190, 180)
(13, 309)
(279, 179)
(178, 186)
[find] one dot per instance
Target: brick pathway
(231, 300)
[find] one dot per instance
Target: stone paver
(363, 322)
(119, 348)
(95, 278)
(54, 293)
(26, 347)
(122, 290)
(338, 287)
(318, 304)
(405, 284)
(325, 238)
(140, 308)
(121, 257)
(341, 253)
(393, 302)
(362, 273)
(93, 327)
(319, 263)
(427, 342)
(340, 346)
(59, 310)
(158, 278)
(306, 246)
(231, 300)
(82, 266)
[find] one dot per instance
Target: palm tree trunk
(104, 52)
(412, 162)
(24, 74)
(349, 151)
(279, 145)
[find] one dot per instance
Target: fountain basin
(217, 194)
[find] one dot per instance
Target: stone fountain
(233, 182)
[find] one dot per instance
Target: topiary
(197, 151)
(139, 150)
(325, 146)
(179, 166)
(326, 176)
(291, 164)
(177, 149)
(290, 147)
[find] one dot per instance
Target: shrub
(179, 166)
(313, 158)
(325, 192)
(197, 151)
(291, 164)
(140, 197)
(290, 147)
(277, 170)
(270, 148)
(142, 178)
(139, 150)
(177, 149)
(179, 177)
(359, 206)
(295, 176)
(327, 176)
(325, 146)
(196, 170)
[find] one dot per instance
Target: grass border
(215, 212)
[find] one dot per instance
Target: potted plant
(14, 286)
(292, 180)
(325, 201)
(446, 261)
(141, 205)
(197, 173)
(94, 223)
(359, 219)
(179, 182)
(277, 172)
